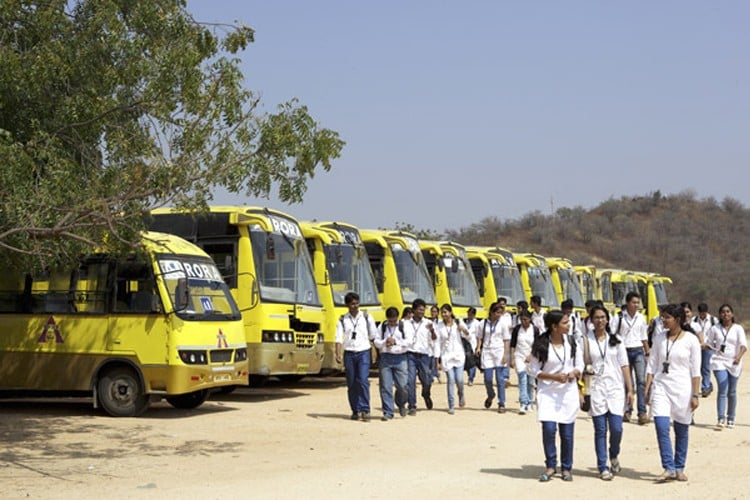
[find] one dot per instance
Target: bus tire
(257, 381)
(120, 393)
(188, 401)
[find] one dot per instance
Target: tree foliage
(111, 107)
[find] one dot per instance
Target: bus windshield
(541, 285)
(571, 288)
(661, 293)
(283, 268)
(196, 289)
(412, 275)
(349, 271)
(463, 288)
(507, 281)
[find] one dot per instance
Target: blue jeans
(727, 390)
(393, 369)
(435, 373)
(525, 388)
(549, 429)
(472, 373)
(637, 361)
(672, 461)
(601, 422)
(706, 384)
(455, 376)
(499, 373)
(418, 365)
(357, 366)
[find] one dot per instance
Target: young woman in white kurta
(728, 342)
(673, 378)
(556, 364)
(452, 358)
(611, 389)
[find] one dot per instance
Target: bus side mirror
(485, 270)
(454, 265)
(181, 294)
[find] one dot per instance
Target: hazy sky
(455, 111)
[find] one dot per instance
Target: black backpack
(384, 324)
(472, 360)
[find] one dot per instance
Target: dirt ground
(296, 441)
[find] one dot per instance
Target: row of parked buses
(237, 294)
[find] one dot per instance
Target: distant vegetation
(702, 244)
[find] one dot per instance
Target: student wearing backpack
(521, 340)
(704, 322)
(556, 363)
(354, 331)
(392, 342)
(448, 334)
(419, 356)
(493, 343)
(472, 323)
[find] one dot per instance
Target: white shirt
(385, 331)
(556, 401)
(671, 392)
(537, 319)
(703, 325)
(732, 339)
(607, 383)
(451, 349)
(473, 327)
(420, 335)
(633, 331)
(365, 329)
(495, 337)
(524, 341)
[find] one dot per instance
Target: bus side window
(135, 291)
(89, 287)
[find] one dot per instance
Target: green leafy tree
(111, 107)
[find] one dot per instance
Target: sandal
(680, 476)
(567, 476)
(546, 475)
(666, 476)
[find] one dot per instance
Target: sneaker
(488, 402)
(605, 475)
(666, 476)
(706, 393)
(730, 424)
(412, 411)
(451, 411)
(501, 409)
(354, 416)
(471, 382)
(386, 418)
(522, 410)
(428, 402)
(402, 412)
(642, 419)
(626, 417)
(615, 466)
(720, 424)
(680, 476)
(461, 403)
(364, 416)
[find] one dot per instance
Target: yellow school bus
(566, 283)
(653, 291)
(397, 263)
(452, 276)
(615, 284)
(159, 323)
(589, 284)
(496, 275)
(341, 266)
(264, 259)
(537, 279)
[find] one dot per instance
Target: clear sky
(454, 111)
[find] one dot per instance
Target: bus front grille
(305, 340)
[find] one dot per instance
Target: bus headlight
(320, 338)
(240, 354)
(277, 336)
(194, 357)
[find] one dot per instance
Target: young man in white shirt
(704, 322)
(354, 331)
(631, 326)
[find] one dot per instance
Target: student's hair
(687, 305)
(391, 312)
(566, 304)
(522, 304)
(351, 297)
(632, 295)
(728, 307)
(524, 314)
(677, 311)
(702, 307)
(613, 340)
(407, 311)
(590, 303)
(536, 299)
(472, 310)
(540, 347)
(449, 308)
(417, 303)
(495, 307)
(502, 299)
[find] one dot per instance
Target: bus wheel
(257, 380)
(188, 401)
(120, 393)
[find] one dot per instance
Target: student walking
(704, 322)
(419, 356)
(493, 343)
(392, 343)
(611, 390)
(673, 389)
(521, 341)
(448, 334)
(729, 344)
(557, 363)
